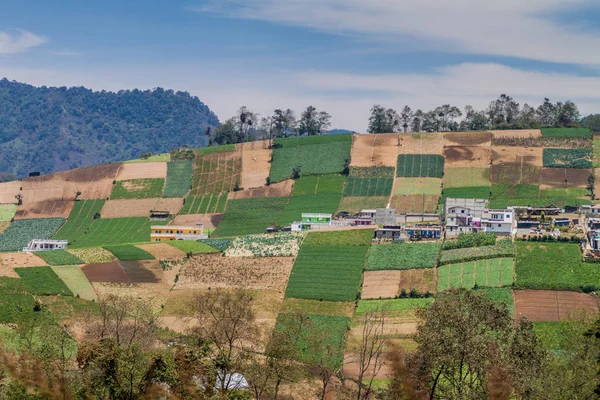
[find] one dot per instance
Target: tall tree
(546, 113)
(248, 122)
(284, 122)
(406, 117)
(382, 120)
(446, 114)
(567, 113)
(313, 122)
(417, 121)
(430, 122)
(503, 110)
(592, 121)
(527, 116)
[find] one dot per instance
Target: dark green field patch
(358, 237)
(80, 218)
(318, 203)
(368, 186)
(402, 256)
(319, 185)
(129, 253)
(208, 203)
(59, 257)
(420, 165)
(567, 133)
(115, 231)
(568, 158)
(245, 216)
(21, 231)
(43, 281)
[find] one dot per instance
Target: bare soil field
(162, 251)
(139, 207)
(467, 156)
(46, 209)
(551, 305)
(205, 271)
(414, 203)
(520, 133)
(422, 143)
(468, 138)
(217, 173)
(597, 181)
(154, 294)
(10, 261)
(142, 170)
(556, 177)
(143, 271)
(8, 191)
(256, 163)
(93, 183)
(517, 155)
(280, 189)
(106, 272)
(512, 173)
(210, 220)
(388, 284)
(417, 186)
(374, 150)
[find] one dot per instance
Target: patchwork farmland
(330, 279)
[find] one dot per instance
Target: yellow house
(162, 233)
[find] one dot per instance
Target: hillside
(49, 129)
(330, 281)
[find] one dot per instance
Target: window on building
(499, 225)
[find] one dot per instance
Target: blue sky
(339, 55)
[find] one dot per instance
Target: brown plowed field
(162, 251)
(520, 133)
(143, 271)
(107, 272)
(388, 284)
(155, 294)
(510, 174)
(374, 150)
(8, 191)
(414, 203)
(205, 271)
(92, 182)
(467, 156)
(280, 189)
(551, 305)
(422, 143)
(556, 177)
(469, 138)
(532, 156)
(10, 261)
(139, 207)
(209, 220)
(47, 209)
(597, 181)
(217, 173)
(256, 163)
(142, 171)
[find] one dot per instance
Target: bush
(471, 240)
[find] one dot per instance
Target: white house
(463, 216)
(498, 221)
(46, 245)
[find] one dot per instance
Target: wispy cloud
(65, 53)
(512, 28)
(19, 41)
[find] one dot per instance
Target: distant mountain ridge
(50, 129)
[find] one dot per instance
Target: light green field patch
(76, 281)
(354, 204)
(493, 272)
(410, 186)
(155, 158)
(189, 246)
(7, 212)
(466, 177)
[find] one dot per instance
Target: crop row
(420, 165)
(566, 132)
(81, 217)
(402, 256)
(246, 216)
(483, 273)
(503, 248)
(368, 186)
(114, 231)
(319, 184)
(471, 240)
(179, 178)
(208, 203)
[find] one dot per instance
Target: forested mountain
(50, 129)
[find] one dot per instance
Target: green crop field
(326, 203)
(554, 266)
(368, 186)
(531, 195)
(325, 155)
(208, 203)
(355, 204)
(76, 281)
(412, 186)
(219, 244)
(115, 231)
(372, 172)
(489, 272)
(500, 295)
(80, 218)
(420, 165)
(129, 253)
(357, 237)
(402, 256)
(466, 177)
(470, 240)
(501, 191)
(503, 248)
(20, 232)
(246, 216)
(333, 308)
(331, 273)
(59, 257)
(567, 133)
(318, 185)
(332, 330)
(146, 188)
(7, 212)
(476, 192)
(189, 246)
(568, 158)
(179, 178)
(43, 281)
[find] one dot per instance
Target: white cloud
(65, 53)
(19, 41)
(514, 28)
(224, 90)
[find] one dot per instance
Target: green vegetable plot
(138, 189)
(357, 237)
(179, 178)
(402, 256)
(489, 272)
(503, 248)
(567, 132)
(115, 231)
(22, 231)
(59, 257)
(80, 218)
(129, 253)
(208, 203)
(43, 281)
(319, 185)
(420, 165)
(568, 158)
(326, 203)
(246, 216)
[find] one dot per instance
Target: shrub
(471, 240)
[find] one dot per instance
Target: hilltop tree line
(247, 125)
(467, 347)
(50, 129)
(502, 113)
